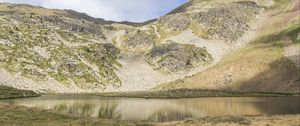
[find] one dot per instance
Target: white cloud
(117, 10)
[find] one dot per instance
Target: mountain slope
(48, 50)
(262, 65)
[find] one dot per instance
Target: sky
(116, 10)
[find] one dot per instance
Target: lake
(160, 110)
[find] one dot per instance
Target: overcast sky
(116, 10)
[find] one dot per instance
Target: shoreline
(190, 93)
(12, 93)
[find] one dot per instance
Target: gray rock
(230, 21)
(139, 42)
(174, 57)
(78, 26)
(175, 22)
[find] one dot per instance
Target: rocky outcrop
(71, 25)
(139, 42)
(174, 57)
(229, 21)
(174, 22)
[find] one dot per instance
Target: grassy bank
(191, 93)
(9, 92)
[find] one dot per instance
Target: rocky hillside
(269, 63)
(48, 50)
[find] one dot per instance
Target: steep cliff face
(64, 51)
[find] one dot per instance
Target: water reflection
(169, 115)
(109, 112)
(160, 109)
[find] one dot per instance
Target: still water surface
(161, 110)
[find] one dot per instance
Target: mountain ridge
(80, 15)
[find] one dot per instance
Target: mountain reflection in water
(160, 110)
